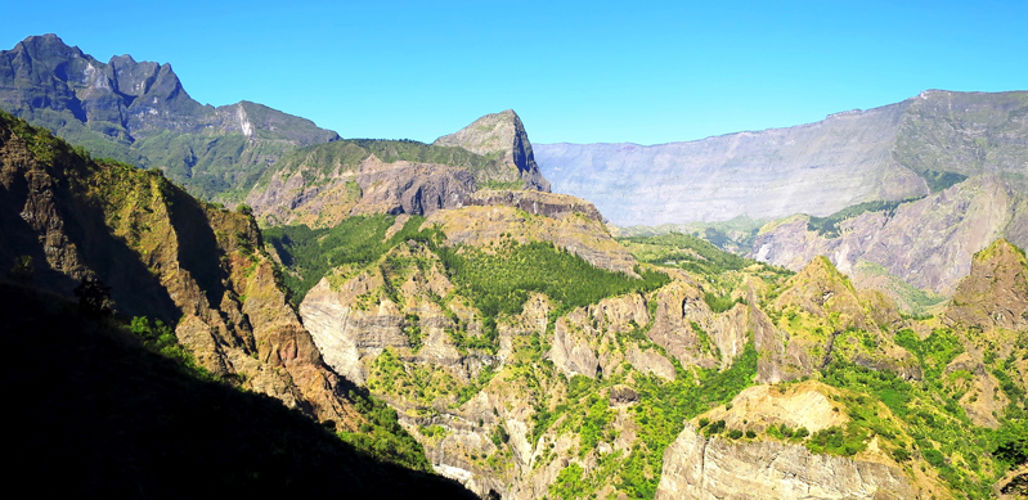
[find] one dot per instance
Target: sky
(593, 71)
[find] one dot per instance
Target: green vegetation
(309, 254)
(915, 300)
(381, 435)
(665, 406)
(317, 162)
(934, 352)
(939, 429)
(735, 235)
(829, 226)
(569, 484)
(686, 251)
(937, 181)
(500, 282)
(160, 338)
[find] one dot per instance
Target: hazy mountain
(894, 152)
(927, 243)
(140, 113)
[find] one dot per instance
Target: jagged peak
(491, 133)
(501, 133)
(995, 293)
(822, 270)
(1001, 250)
(34, 44)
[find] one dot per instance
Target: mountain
(526, 367)
(895, 152)
(917, 251)
(129, 242)
(504, 135)
(139, 112)
(322, 185)
(995, 293)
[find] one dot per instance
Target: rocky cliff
(927, 243)
(139, 112)
(123, 419)
(321, 185)
(995, 293)
(720, 466)
(68, 220)
(501, 134)
(894, 152)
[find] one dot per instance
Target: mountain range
(404, 310)
(895, 152)
(139, 112)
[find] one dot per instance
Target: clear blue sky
(591, 71)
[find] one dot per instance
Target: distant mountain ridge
(894, 152)
(140, 113)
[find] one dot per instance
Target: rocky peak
(46, 47)
(501, 134)
(995, 294)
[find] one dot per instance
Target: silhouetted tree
(94, 297)
(22, 269)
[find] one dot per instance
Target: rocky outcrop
(140, 113)
(373, 187)
(501, 134)
(164, 255)
(557, 206)
(411, 188)
(894, 152)
(698, 467)
(579, 234)
(719, 466)
(927, 243)
(995, 293)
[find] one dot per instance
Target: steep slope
(139, 112)
(501, 134)
(927, 243)
(995, 293)
(122, 421)
(894, 152)
(71, 222)
(322, 185)
(718, 466)
(526, 374)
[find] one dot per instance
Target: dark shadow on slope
(198, 250)
(97, 415)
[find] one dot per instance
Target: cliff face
(525, 216)
(894, 152)
(698, 467)
(995, 293)
(124, 419)
(140, 113)
(322, 185)
(763, 466)
(501, 134)
(164, 255)
(926, 243)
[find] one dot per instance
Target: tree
(22, 269)
(94, 297)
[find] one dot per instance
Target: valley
(442, 315)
